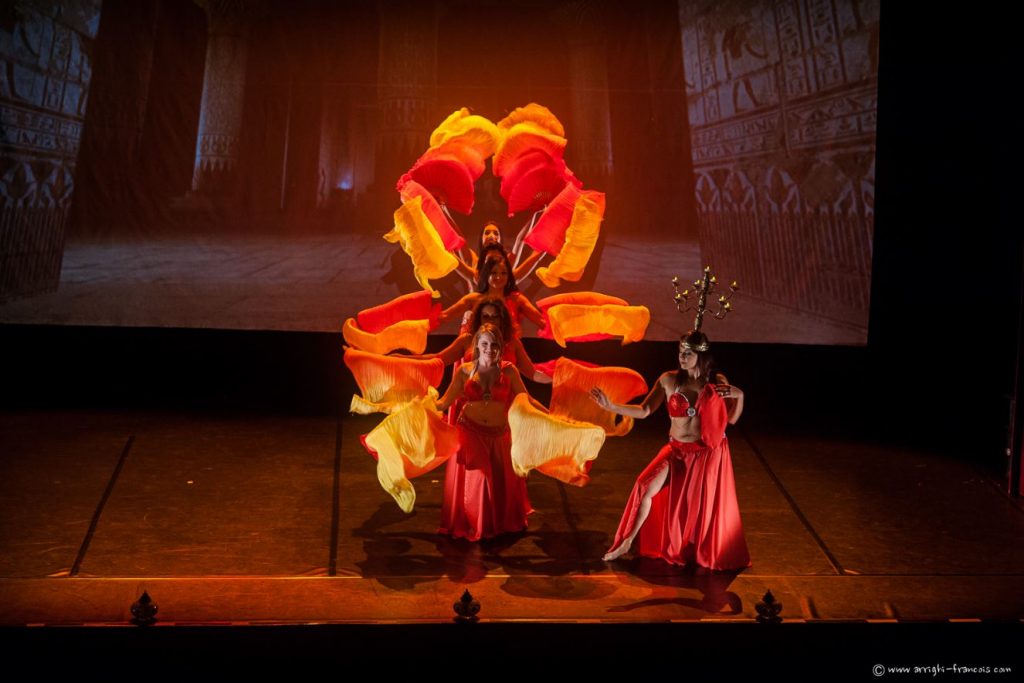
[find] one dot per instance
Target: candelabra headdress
(704, 288)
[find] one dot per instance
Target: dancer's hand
(600, 398)
(729, 391)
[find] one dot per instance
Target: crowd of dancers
(486, 428)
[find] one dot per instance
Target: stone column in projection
(108, 189)
(406, 89)
(45, 71)
(590, 135)
(220, 117)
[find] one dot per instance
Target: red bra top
(711, 408)
(501, 390)
(679, 406)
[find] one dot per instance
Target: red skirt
(483, 496)
(696, 516)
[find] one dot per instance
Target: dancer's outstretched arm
(651, 403)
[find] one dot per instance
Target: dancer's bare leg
(655, 485)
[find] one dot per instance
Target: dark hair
(495, 246)
(505, 318)
(695, 339)
(481, 247)
(487, 264)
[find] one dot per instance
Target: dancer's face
(491, 235)
(687, 358)
(487, 348)
(498, 277)
(489, 314)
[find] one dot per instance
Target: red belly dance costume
(483, 496)
(695, 517)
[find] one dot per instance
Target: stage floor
(242, 519)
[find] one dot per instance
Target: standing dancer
(495, 282)
(683, 507)
(491, 311)
(490, 238)
(483, 496)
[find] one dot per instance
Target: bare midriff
(487, 413)
(685, 429)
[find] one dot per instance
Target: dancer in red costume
(494, 283)
(683, 507)
(490, 238)
(494, 312)
(483, 496)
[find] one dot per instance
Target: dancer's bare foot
(616, 553)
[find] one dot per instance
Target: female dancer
(490, 238)
(494, 312)
(683, 505)
(495, 283)
(483, 496)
